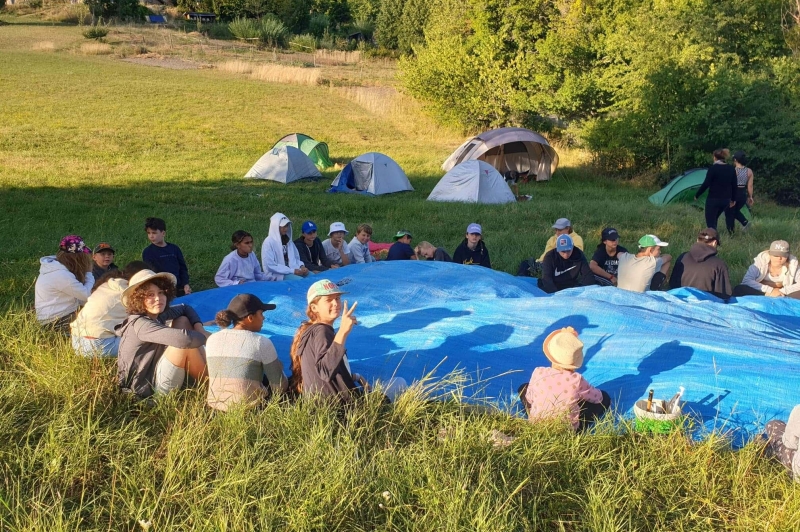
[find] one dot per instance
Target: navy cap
(309, 227)
(609, 233)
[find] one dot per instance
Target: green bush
(121, 9)
(388, 22)
(318, 23)
(245, 28)
(303, 43)
(365, 26)
(215, 30)
(273, 32)
(95, 32)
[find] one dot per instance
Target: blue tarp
(739, 362)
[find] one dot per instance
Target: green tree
(387, 27)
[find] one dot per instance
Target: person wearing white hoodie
(279, 255)
(64, 284)
(774, 273)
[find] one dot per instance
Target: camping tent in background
(317, 151)
(509, 148)
(371, 173)
(284, 165)
(683, 188)
(472, 182)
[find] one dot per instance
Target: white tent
(371, 173)
(509, 149)
(284, 165)
(472, 182)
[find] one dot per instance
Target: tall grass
(96, 48)
(245, 28)
(272, 72)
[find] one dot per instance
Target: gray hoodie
(273, 249)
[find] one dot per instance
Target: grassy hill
(92, 144)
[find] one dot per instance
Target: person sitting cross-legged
(648, 268)
(605, 261)
(701, 268)
(311, 251)
(565, 267)
(774, 273)
(783, 440)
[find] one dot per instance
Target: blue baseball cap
(309, 227)
(474, 228)
(564, 243)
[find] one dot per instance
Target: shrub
(318, 23)
(123, 9)
(95, 32)
(303, 43)
(365, 26)
(216, 30)
(244, 28)
(273, 32)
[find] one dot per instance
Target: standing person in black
(721, 185)
(744, 192)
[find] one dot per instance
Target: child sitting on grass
(783, 440)
(64, 284)
(558, 392)
(239, 359)
(164, 256)
(428, 251)
(359, 246)
(241, 265)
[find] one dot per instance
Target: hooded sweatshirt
(103, 311)
(58, 292)
(559, 273)
(274, 251)
(472, 257)
(701, 268)
(758, 271)
(323, 363)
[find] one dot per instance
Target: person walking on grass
(701, 268)
(241, 361)
(279, 255)
(472, 251)
(744, 192)
(647, 269)
(774, 273)
(64, 284)
(605, 261)
(558, 392)
(155, 358)
(720, 182)
(241, 265)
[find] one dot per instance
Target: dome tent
(371, 173)
(317, 151)
(509, 148)
(682, 189)
(472, 182)
(284, 165)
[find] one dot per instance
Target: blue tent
(371, 173)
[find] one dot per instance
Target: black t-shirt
(608, 263)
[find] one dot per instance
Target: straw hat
(563, 348)
(142, 277)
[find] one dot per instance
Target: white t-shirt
(333, 253)
(636, 273)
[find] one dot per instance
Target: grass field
(93, 145)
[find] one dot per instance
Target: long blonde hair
(78, 264)
(296, 378)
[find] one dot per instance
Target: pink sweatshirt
(555, 393)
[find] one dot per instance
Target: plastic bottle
(674, 405)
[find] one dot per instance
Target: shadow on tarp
(739, 362)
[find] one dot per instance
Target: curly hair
(136, 299)
(296, 378)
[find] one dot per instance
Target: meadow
(92, 144)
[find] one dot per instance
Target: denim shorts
(168, 377)
(96, 347)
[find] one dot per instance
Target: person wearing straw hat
(648, 268)
(774, 273)
(401, 249)
(155, 357)
(318, 353)
(558, 392)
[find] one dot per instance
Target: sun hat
(474, 228)
(103, 246)
(244, 305)
(779, 248)
(309, 227)
(562, 223)
(564, 243)
(323, 287)
(709, 234)
(337, 227)
(648, 241)
(401, 233)
(142, 277)
(609, 233)
(564, 348)
(73, 244)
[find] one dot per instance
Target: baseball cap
(401, 233)
(564, 243)
(337, 226)
(609, 233)
(779, 248)
(284, 221)
(474, 228)
(244, 305)
(324, 287)
(648, 241)
(708, 234)
(562, 223)
(309, 227)
(103, 246)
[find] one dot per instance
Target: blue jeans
(100, 347)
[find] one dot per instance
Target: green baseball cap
(401, 233)
(325, 287)
(648, 241)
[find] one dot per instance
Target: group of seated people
(774, 272)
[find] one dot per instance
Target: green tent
(317, 151)
(683, 188)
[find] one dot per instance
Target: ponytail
(296, 378)
(237, 238)
(225, 318)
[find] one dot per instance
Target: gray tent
(472, 182)
(372, 174)
(509, 149)
(284, 165)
